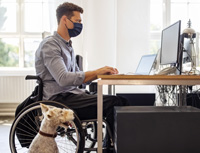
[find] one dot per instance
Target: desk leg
(113, 89)
(180, 103)
(182, 96)
(109, 89)
(99, 117)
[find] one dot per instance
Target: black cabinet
(149, 129)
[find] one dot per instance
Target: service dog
(44, 141)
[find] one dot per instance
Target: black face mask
(76, 30)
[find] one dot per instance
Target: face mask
(76, 30)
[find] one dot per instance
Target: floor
(5, 124)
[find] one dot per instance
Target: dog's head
(57, 115)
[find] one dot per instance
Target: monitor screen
(170, 44)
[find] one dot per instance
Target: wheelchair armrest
(40, 86)
(33, 77)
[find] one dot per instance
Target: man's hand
(107, 70)
(92, 75)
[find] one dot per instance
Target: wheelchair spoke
(34, 122)
(25, 143)
(38, 118)
(66, 145)
(25, 135)
(25, 131)
(27, 128)
(30, 124)
(62, 148)
(72, 139)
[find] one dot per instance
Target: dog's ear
(65, 114)
(50, 114)
(44, 107)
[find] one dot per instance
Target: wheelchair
(81, 135)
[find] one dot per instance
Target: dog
(44, 141)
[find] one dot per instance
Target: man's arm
(57, 66)
(92, 75)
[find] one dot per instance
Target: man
(55, 64)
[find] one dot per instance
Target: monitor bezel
(178, 46)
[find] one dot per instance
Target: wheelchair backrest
(35, 96)
(39, 94)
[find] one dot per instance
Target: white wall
(133, 22)
(116, 33)
(99, 34)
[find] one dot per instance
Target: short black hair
(67, 9)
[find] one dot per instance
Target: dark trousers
(85, 105)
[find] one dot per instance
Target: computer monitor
(170, 44)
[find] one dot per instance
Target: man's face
(75, 18)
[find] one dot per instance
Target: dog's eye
(60, 111)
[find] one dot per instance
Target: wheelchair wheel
(90, 127)
(27, 124)
(90, 135)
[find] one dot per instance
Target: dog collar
(48, 135)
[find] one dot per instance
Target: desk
(136, 80)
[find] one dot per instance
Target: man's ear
(64, 18)
(44, 107)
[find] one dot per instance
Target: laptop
(145, 65)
